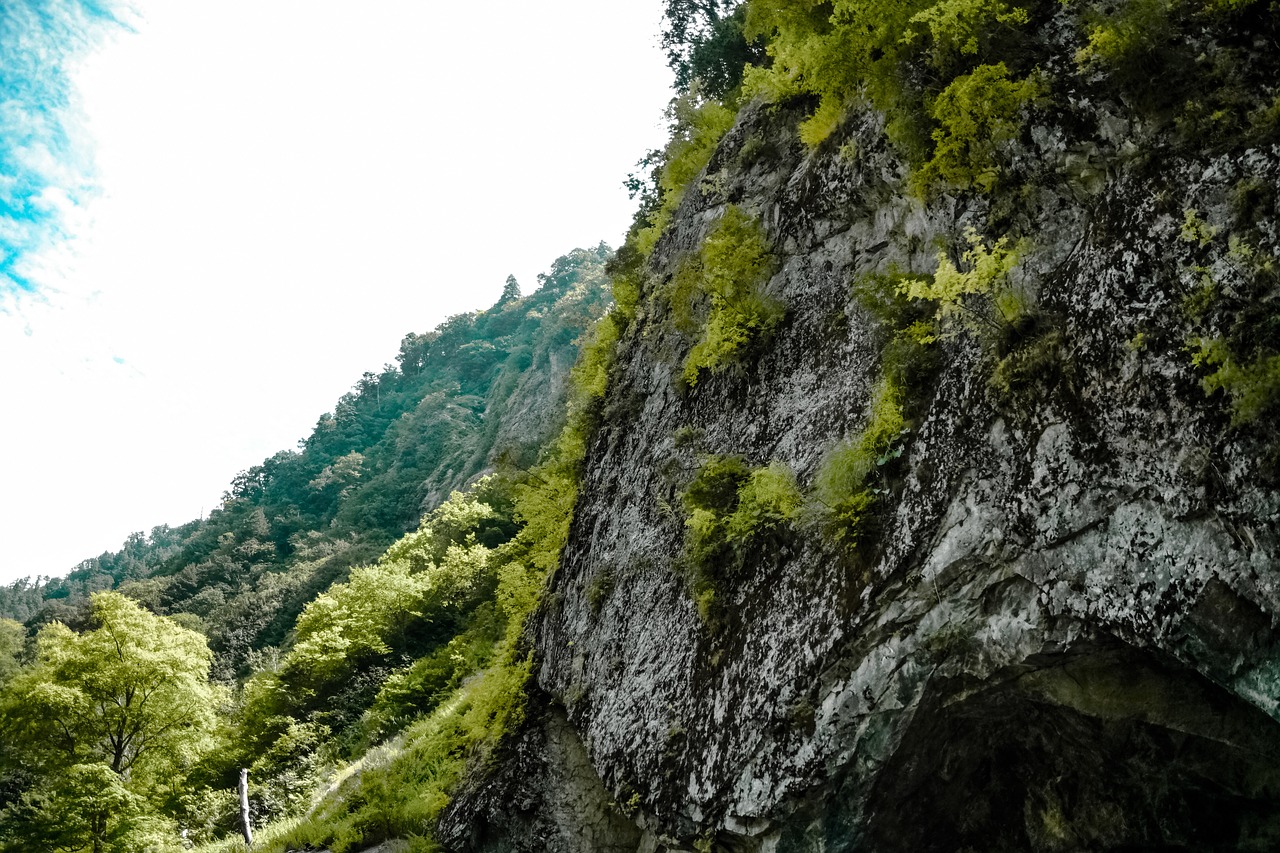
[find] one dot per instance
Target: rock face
(1064, 634)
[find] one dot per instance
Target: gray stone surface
(1064, 637)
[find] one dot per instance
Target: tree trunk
(244, 808)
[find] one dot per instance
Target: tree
(510, 290)
(11, 637)
(103, 719)
(704, 41)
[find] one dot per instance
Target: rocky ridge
(1064, 634)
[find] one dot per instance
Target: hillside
(482, 391)
(919, 491)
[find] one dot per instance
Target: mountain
(483, 390)
(936, 509)
(918, 492)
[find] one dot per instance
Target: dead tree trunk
(244, 808)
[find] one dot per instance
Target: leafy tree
(704, 41)
(11, 637)
(510, 290)
(85, 807)
(104, 719)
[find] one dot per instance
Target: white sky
(288, 188)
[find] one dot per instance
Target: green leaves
(985, 273)
(106, 717)
(133, 693)
(1253, 386)
(726, 281)
(976, 114)
(696, 128)
(733, 509)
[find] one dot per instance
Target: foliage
(86, 807)
(133, 693)
(109, 720)
(425, 589)
(958, 27)
(704, 42)
(944, 73)
(12, 638)
(696, 128)
(400, 792)
(1196, 230)
(844, 485)
(421, 687)
(457, 700)
(978, 297)
(718, 296)
(1133, 30)
(976, 113)
(733, 511)
(1252, 386)
(1237, 324)
(392, 448)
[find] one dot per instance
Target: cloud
(46, 164)
(279, 192)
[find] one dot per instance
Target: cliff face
(1061, 634)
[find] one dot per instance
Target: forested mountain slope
(482, 390)
(920, 491)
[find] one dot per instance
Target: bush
(697, 126)
(1253, 386)
(725, 280)
(844, 486)
(733, 512)
(978, 298)
(976, 114)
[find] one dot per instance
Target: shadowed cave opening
(1103, 748)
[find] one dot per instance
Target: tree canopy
(104, 719)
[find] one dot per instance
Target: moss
(600, 589)
(687, 436)
(1025, 371)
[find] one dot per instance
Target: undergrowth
(733, 513)
(457, 703)
(717, 296)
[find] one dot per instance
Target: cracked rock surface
(1064, 635)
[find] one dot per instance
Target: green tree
(510, 290)
(703, 41)
(106, 720)
(11, 637)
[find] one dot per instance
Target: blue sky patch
(43, 164)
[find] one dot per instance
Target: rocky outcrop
(1064, 634)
